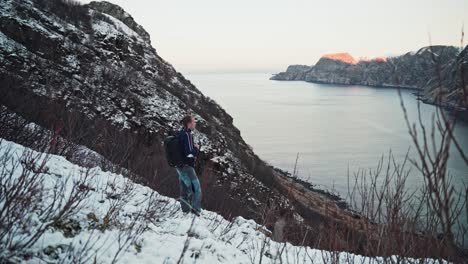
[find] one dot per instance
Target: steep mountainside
(90, 74)
(451, 88)
(411, 70)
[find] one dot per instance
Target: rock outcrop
(411, 70)
(440, 73)
(118, 12)
(450, 88)
(293, 73)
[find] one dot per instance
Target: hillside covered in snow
(87, 215)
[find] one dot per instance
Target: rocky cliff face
(450, 88)
(120, 14)
(411, 70)
(292, 73)
(90, 74)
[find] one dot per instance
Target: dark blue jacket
(188, 148)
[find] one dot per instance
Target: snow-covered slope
(146, 228)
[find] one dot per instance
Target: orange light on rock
(347, 58)
(343, 57)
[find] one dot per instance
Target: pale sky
(268, 35)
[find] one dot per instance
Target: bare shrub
(17, 129)
(130, 232)
(420, 222)
(388, 218)
(68, 10)
(23, 192)
(187, 240)
(26, 187)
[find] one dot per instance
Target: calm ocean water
(333, 128)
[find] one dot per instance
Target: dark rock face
(451, 88)
(411, 70)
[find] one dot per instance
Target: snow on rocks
(113, 27)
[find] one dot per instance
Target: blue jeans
(190, 190)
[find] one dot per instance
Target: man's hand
(197, 146)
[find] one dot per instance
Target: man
(190, 191)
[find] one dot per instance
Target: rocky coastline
(438, 73)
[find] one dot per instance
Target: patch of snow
(121, 118)
(9, 45)
(104, 28)
(421, 50)
(72, 61)
(113, 29)
(6, 7)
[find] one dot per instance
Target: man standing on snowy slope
(190, 190)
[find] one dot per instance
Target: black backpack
(173, 149)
